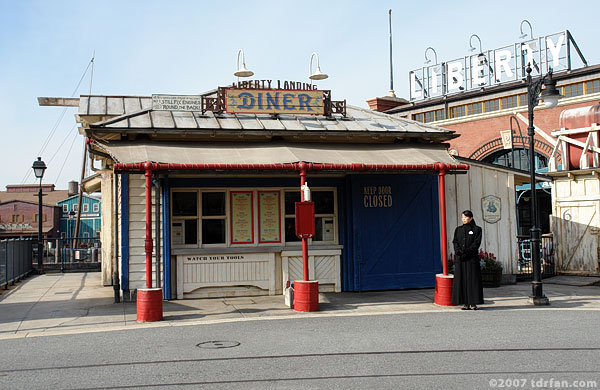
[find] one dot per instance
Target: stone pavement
(53, 304)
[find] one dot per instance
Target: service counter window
(325, 216)
(246, 217)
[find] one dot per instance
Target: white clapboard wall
(137, 233)
(465, 192)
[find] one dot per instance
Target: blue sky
(186, 47)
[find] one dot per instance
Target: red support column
(306, 292)
(149, 245)
(305, 271)
(442, 186)
(149, 300)
(443, 282)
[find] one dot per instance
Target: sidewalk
(54, 304)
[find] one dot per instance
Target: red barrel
(306, 295)
(443, 290)
(149, 304)
(578, 118)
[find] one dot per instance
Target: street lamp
(550, 96)
(38, 169)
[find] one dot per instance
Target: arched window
(516, 158)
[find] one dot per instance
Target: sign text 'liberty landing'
(280, 101)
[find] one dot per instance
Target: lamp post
(550, 97)
(38, 169)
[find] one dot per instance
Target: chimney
(73, 188)
(385, 103)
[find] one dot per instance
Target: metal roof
(135, 112)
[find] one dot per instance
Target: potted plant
(491, 269)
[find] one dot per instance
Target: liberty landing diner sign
(257, 97)
(493, 67)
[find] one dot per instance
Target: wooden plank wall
(576, 224)
(464, 192)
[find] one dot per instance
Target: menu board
(242, 228)
(269, 224)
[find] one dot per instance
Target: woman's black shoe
(465, 307)
(475, 308)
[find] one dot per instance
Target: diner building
(218, 175)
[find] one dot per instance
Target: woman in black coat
(467, 288)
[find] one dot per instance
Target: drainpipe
(148, 243)
(116, 283)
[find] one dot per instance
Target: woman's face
(465, 219)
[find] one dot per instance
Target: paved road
(428, 350)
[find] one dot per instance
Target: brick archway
(495, 145)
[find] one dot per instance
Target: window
(418, 117)
(16, 218)
(291, 197)
(86, 208)
(96, 207)
(573, 90)
(523, 99)
(35, 218)
(213, 218)
(492, 105)
(592, 86)
(65, 208)
(457, 112)
(509, 102)
(474, 108)
(75, 207)
(429, 116)
(185, 218)
(324, 215)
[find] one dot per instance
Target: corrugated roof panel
(162, 120)
(229, 123)
(146, 103)
(311, 124)
(291, 123)
(97, 105)
(120, 124)
(333, 125)
(115, 106)
(184, 120)
(132, 104)
(249, 122)
(207, 121)
(269, 123)
(353, 125)
(140, 121)
(83, 105)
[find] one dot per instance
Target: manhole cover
(218, 344)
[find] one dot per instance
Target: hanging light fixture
(242, 71)
(317, 75)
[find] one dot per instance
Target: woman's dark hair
(468, 213)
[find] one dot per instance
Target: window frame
(85, 208)
(255, 218)
(65, 208)
(96, 208)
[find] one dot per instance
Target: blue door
(395, 223)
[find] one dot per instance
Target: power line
(66, 158)
(58, 121)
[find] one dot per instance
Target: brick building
(477, 96)
(19, 210)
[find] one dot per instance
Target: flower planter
(491, 278)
